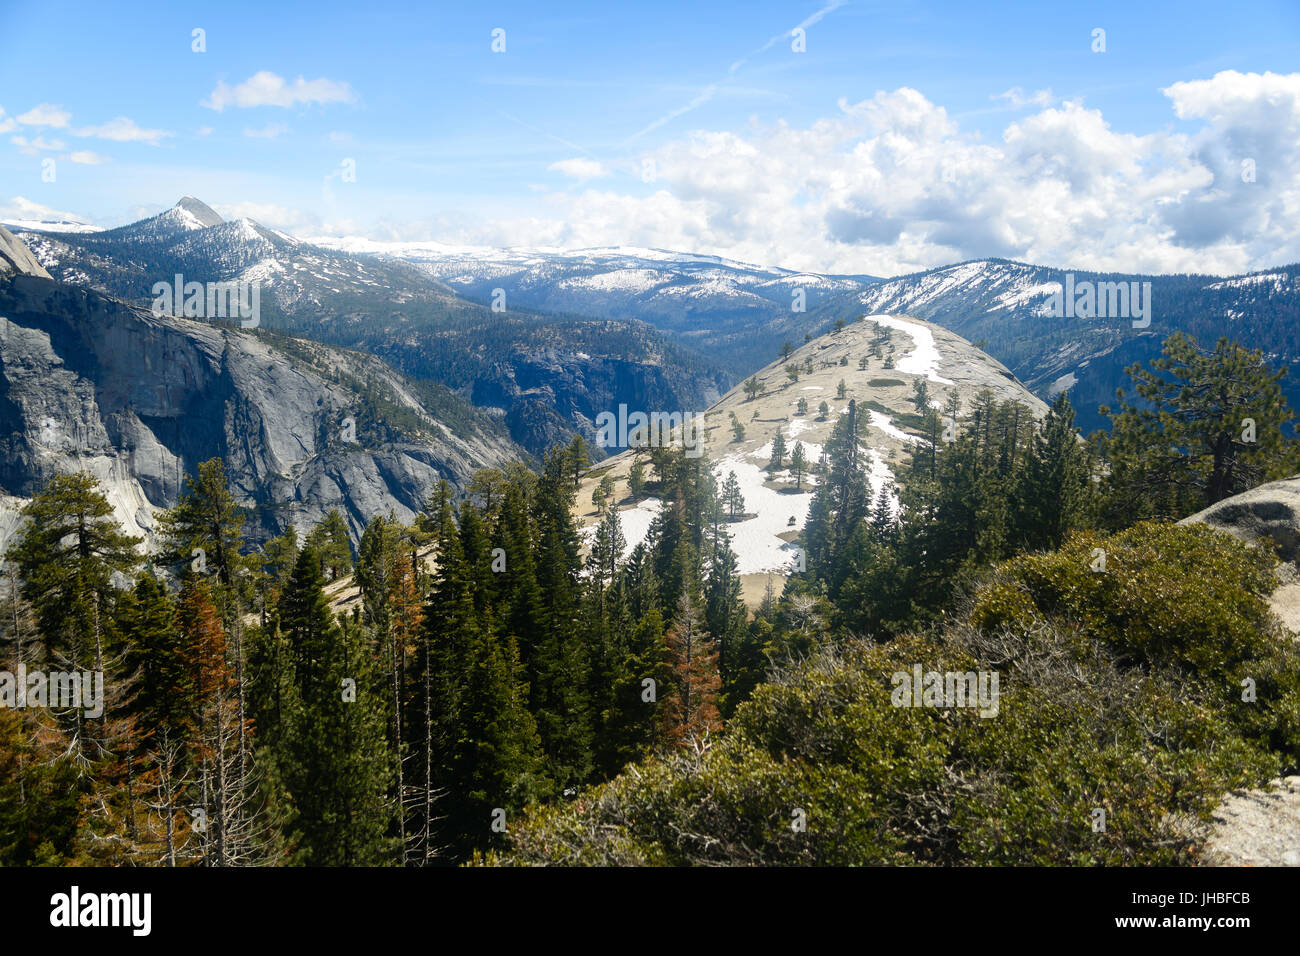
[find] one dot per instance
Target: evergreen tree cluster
(406, 704)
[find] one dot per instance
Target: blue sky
(892, 142)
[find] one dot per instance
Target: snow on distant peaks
(46, 225)
(421, 249)
(192, 214)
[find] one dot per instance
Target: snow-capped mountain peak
(195, 213)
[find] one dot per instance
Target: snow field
(924, 357)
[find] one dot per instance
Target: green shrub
(1119, 692)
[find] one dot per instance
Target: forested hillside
(517, 701)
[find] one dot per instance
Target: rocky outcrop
(90, 383)
(1269, 516)
(1257, 827)
(17, 258)
(545, 377)
(1262, 827)
(1270, 513)
(900, 352)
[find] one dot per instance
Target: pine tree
(391, 610)
(725, 614)
(798, 464)
(204, 534)
(559, 658)
(777, 461)
(841, 501)
(331, 541)
(1210, 424)
(1057, 495)
(498, 762)
(227, 829)
(636, 479)
(440, 665)
(337, 768)
(690, 711)
(579, 458)
(602, 494)
(606, 550)
(280, 554)
(920, 395)
(732, 498)
(66, 553)
(155, 656)
(737, 429)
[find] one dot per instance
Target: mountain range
(89, 382)
(1006, 308)
(548, 339)
(738, 315)
(546, 375)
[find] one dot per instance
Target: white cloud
(45, 114)
(87, 158)
(20, 207)
(30, 147)
(579, 168)
(270, 131)
(1017, 98)
(341, 138)
(123, 130)
(892, 184)
(285, 218)
(204, 131)
(265, 88)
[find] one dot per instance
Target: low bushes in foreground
(1129, 700)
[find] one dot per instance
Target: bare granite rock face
(1271, 512)
(16, 257)
(1262, 827)
(1258, 827)
(899, 352)
(138, 400)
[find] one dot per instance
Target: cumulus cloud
(265, 88)
(892, 184)
(579, 168)
(123, 130)
(45, 114)
(20, 208)
(1249, 185)
(285, 218)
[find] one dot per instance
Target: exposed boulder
(1271, 511)
(16, 257)
(1262, 827)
